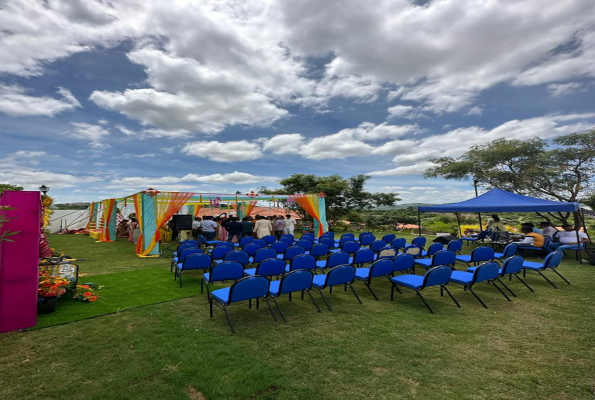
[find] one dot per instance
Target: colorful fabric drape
(92, 215)
(137, 201)
(250, 207)
(108, 209)
(168, 204)
(197, 208)
(309, 202)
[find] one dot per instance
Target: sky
(100, 99)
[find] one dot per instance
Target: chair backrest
(306, 244)
(399, 243)
(189, 241)
(377, 245)
(512, 265)
(269, 239)
(287, 240)
(381, 268)
(188, 251)
(403, 262)
(437, 276)
(486, 272)
(367, 240)
(280, 247)
(287, 235)
(510, 250)
(197, 261)
(238, 256)
(455, 245)
(302, 261)
(320, 249)
(263, 254)
(250, 287)
(413, 249)
(296, 281)
(350, 247)
(366, 233)
(331, 234)
(271, 267)
(444, 257)
(227, 270)
(337, 258)
(220, 252)
(246, 240)
(435, 248)
(389, 237)
(186, 246)
(259, 242)
(345, 239)
(293, 251)
(348, 234)
(202, 240)
(224, 244)
(308, 236)
(363, 256)
(340, 275)
(251, 248)
(388, 252)
(553, 260)
(328, 241)
(420, 240)
(483, 253)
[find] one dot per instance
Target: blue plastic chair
(252, 287)
(346, 239)
(420, 240)
(260, 242)
(279, 247)
(443, 257)
(350, 247)
(288, 236)
(269, 267)
(251, 249)
(414, 250)
(404, 263)
(196, 261)
(478, 255)
(329, 242)
(295, 281)
(205, 242)
(219, 252)
(433, 249)
(551, 262)
(512, 266)
(225, 271)
(377, 269)
(488, 272)
(340, 275)
(287, 240)
(331, 234)
(305, 244)
(302, 261)
(387, 252)
(455, 245)
(399, 243)
(238, 256)
(308, 236)
(291, 252)
(365, 233)
(224, 244)
(186, 244)
(377, 245)
(437, 276)
(389, 237)
(333, 260)
(362, 256)
(319, 250)
(367, 240)
(269, 239)
(509, 251)
(263, 254)
(182, 256)
(245, 241)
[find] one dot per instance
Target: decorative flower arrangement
(86, 292)
(52, 285)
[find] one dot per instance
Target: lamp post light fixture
(44, 189)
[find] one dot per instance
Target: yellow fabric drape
(91, 215)
(136, 200)
(108, 209)
(250, 207)
(310, 204)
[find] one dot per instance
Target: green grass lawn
(539, 346)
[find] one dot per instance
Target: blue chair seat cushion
(532, 265)
(426, 262)
(176, 260)
(221, 295)
(274, 288)
(179, 266)
(362, 273)
(206, 276)
(250, 272)
(462, 277)
(411, 281)
(498, 255)
(472, 269)
(470, 239)
(321, 264)
(319, 281)
(464, 258)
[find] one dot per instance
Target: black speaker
(445, 239)
(182, 222)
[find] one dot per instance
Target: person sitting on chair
(548, 230)
(531, 239)
(495, 226)
(567, 239)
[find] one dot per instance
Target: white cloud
(403, 111)
(286, 143)
(186, 181)
(475, 111)
(235, 151)
(561, 89)
(93, 133)
(15, 102)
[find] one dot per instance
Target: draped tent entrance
(154, 209)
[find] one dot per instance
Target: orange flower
(85, 286)
(87, 294)
(93, 298)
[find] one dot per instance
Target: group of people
(128, 228)
(228, 228)
(568, 238)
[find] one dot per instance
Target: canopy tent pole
(576, 216)
(459, 224)
(419, 222)
(475, 182)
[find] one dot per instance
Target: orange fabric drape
(310, 205)
(91, 215)
(136, 200)
(108, 210)
(250, 207)
(197, 208)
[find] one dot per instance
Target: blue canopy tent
(498, 200)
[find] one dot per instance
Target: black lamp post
(44, 189)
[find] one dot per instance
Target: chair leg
(211, 307)
(370, 289)
(452, 297)
(424, 301)
(279, 309)
(202, 282)
(228, 319)
(545, 277)
(392, 291)
(523, 282)
(325, 300)
(506, 287)
(180, 278)
(330, 290)
(355, 293)
(176, 275)
(477, 297)
(270, 308)
(560, 275)
(302, 295)
(500, 290)
(313, 301)
(441, 291)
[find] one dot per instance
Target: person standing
(131, 229)
(289, 224)
(235, 229)
(247, 226)
(279, 226)
(222, 223)
(209, 227)
(196, 229)
(263, 227)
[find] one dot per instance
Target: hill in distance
(404, 206)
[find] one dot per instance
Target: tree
(528, 167)
(8, 186)
(342, 195)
